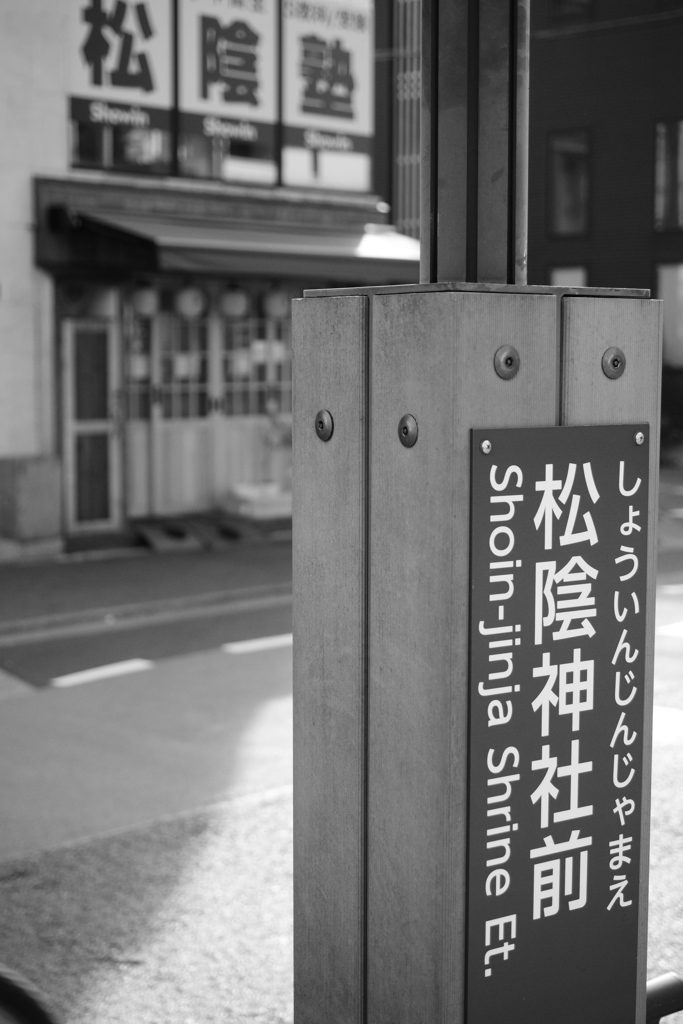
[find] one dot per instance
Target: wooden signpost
(466, 458)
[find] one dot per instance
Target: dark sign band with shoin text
(254, 137)
(118, 115)
(326, 141)
(557, 664)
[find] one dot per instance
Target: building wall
(39, 308)
(616, 75)
(33, 128)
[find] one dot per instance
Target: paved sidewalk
(186, 921)
(670, 526)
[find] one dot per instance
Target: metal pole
(474, 141)
(521, 232)
(664, 996)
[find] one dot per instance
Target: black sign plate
(557, 663)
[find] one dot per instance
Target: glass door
(91, 425)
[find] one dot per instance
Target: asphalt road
(195, 727)
(164, 795)
(39, 661)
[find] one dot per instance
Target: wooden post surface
(381, 577)
(590, 328)
(329, 660)
(432, 357)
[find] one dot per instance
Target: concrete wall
(30, 498)
(34, 133)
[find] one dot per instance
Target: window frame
(551, 231)
(576, 265)
(665, 228)
(107, 142)
(557, 16)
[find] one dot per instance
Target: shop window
(138, 369)
(669, 175)
(184, 368)
(571, 10)
(201, 156)
(568, 277)
(257, 375)
(569, 161)
(139, 150)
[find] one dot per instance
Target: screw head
(639, 438)
(506, 362)
(613, 363)
(407, 430)
(324, 425)
(486, 447)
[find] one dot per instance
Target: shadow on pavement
(185, 919)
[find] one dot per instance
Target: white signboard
(120, 62)
(228, 83)
(328, 93)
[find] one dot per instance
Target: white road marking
(123, 668)
(91, 675)
(260, 643)
(671, 629)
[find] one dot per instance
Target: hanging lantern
(145, 302)
(189, 302)
(276, 304)
(234, 303)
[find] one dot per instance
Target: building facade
(174, 172)
(606, 109)
(606, 154)
(606, 158)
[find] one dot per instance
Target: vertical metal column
(330, 652)
(391, 924)
(590, 327)
(431, 356)
(474, 146)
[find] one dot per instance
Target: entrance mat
(247, 528)
(166, 535)
(212, 532)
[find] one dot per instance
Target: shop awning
(375, 254)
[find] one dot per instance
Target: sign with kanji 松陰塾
(328, 93)
(120, 63)
(557, 673)
(228, 88)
